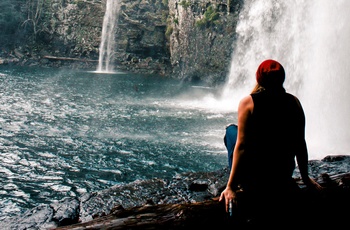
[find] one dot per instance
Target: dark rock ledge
(187, 200)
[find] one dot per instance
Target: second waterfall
(107, 46)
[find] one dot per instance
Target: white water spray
(311, 40)
(107, 46)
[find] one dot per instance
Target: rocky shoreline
(187, 188)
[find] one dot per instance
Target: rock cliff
(201, 37)
(185, 39)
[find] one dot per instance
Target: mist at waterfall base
(64, 133)
(310, 38)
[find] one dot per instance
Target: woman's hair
(257, 88)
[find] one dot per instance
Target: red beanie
(270, 74)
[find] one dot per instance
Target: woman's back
(274, 132)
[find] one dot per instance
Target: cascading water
(311, 40)
(107, 46)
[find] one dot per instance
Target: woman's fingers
(221, 196)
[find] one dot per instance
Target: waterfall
(311, 40)
(107, 46)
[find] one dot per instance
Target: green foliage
(10, 18)
(164, 16)
(169, 31)
(211, 16)
(80, 3)
(174, 18)
(184, 4)
(165, 2)
(69, 30)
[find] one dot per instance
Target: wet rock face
(190, 40)
(201, 38)
(184, 188)
(141, 42)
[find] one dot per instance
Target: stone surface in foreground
(184, 189)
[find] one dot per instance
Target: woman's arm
(302, 161)
(302, 153)
(245, 109)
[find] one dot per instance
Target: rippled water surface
(64, 133)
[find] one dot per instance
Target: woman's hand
(312, 184)
(230, 199)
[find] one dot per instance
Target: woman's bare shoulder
(246, 103)
(246, 100)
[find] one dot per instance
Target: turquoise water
(65, 132)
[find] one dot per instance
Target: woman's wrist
(308, 181)
(234, 187)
